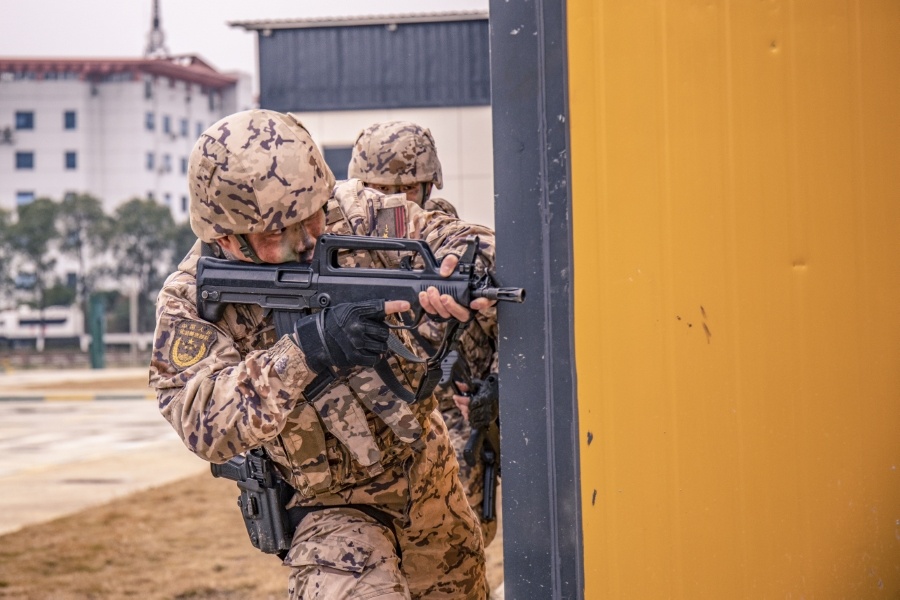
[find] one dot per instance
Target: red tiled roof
(183, 68)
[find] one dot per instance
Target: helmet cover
(254, 171)
(395, 153)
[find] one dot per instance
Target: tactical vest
(358, 426)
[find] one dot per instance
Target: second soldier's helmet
(255, 171)
(395, 153)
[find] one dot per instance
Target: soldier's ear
(228, 244)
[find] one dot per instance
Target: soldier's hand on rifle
(462, 399)
(443, 305)
(481, 407)
(346, 335)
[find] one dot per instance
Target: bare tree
(142, 241)
(84, 231)
(32, 236)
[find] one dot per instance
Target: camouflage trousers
(472, 478)
(340, 552)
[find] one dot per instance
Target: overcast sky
(118, 28)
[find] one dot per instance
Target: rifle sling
(429, 380)
(390, 379)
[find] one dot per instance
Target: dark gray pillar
(543, 555)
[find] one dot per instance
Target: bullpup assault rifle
(290, 290)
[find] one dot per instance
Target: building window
(151, 161)
(184, 204)
(167, 163)
(150, 121)
(148, 89)
(167, 198)
(199, 129)
(71, 161)
(23, 198)
(184, 164)
(69, 119)
(338, 158)
(184, 128)
(167, 124)
(24, 119)
(150, 196)
(24, 160)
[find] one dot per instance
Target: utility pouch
(263, 498)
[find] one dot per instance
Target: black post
(543, 549)
(97, 327)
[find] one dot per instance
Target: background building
(339, 75)
(113, 128)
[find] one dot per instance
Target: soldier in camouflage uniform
(260, 191)
(401, 157)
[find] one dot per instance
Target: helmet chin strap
(246, 249)
(426, 191)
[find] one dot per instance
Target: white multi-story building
(113, 128)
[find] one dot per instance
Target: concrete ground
(70, 440)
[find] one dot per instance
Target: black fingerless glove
(344, 335)
(484, 408)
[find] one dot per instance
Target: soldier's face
(415, 192)
(293, 243)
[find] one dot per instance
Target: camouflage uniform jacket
(230, 386)
(477, 344)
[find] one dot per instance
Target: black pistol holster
(264, 495)
(264, 498)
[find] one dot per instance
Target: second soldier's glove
(484, 407)
(344, 335)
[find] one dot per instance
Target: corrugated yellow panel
(737, 296)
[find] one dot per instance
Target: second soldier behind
(400, 157)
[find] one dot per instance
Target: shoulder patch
(191, 343)
(333, 216)
(390, 222)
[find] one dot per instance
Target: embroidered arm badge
(191, 343)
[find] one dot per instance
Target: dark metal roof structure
(385, 61)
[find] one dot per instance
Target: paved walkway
(75, 384)
(63, 450)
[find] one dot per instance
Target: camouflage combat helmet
(254, 171)
(395, 153)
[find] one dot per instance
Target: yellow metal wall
(736, 189)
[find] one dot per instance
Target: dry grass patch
(182, 541)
